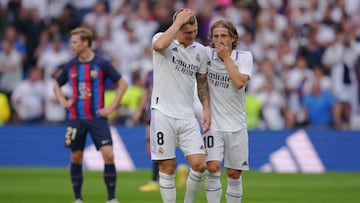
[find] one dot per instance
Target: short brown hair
(231, 29)
(191, 21)
(84, 33)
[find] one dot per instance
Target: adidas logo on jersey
(174, 49)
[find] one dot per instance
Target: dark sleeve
(110, 72)
(62, 79)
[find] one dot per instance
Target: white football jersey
(227, 103)
(175, 71)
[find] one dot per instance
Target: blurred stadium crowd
(306, 55)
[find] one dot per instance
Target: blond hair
(84, 33)
(191, 21)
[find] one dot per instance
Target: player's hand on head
(184, 15)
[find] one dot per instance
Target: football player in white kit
(178, 63)
(228, 72)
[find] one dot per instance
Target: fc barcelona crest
(94, 73)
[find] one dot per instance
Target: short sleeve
(110, 71)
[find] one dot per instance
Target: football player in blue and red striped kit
(87, 73)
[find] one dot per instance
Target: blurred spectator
(163, 12)
(81, 8)
(144, 24)
(10, 67)
(247, 42)
(266, 73)
(295, 88)
(13, 9)
(54, 113)
(273, 107)
(3, 20)
(32, 26)
(334, 52)
(18, 42)
(324, 80)
(55, 8)
(40, 5)
(145, 103)
(10, 70)
(53, 56)
(253, 111)
(28, 98)
(320, 108)
(145, 62)
(128, 49)
(96, 20)
(84, 4)
(132, 98)
(345, 90)
(117, 18)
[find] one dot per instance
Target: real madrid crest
(94, 73)
(161, 150)
(197, 57)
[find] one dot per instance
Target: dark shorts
(75, 136)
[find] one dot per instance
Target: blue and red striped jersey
(88, 84)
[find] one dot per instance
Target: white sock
(167, 187)
(234, 190)
(213, 188)
(193, 184)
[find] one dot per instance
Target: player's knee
(198, 166)
(213, 167)
(167, 166)
(108, 157)
(233, 174)
(76, 157)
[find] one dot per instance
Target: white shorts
(230, 146)
(167, 133)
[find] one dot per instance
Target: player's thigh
(100, 132)
(75, 135)
(214, 144)
(190, 137)
(237, 150)
(162, 136)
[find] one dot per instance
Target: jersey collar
(193, 45)
(234, 55)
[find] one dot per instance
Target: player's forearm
(203, 91)
(143, 100)
(238, 79)
(59, 95)
(166, 38)
(121, 87)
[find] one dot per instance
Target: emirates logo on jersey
(197, 57)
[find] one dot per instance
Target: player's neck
(86, 56)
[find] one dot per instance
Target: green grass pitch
(52, 185)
